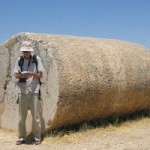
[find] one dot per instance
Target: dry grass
(77, 133)
(75, 137)
(133, 133)
(85, 129)
(6, 131)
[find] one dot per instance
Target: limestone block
(84, 79)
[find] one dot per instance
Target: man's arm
(19, 76)
(37, 75)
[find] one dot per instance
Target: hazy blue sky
(116, 19)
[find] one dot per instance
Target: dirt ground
(131, 135)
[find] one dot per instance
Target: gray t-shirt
(32, 84)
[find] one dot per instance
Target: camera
(22, 80)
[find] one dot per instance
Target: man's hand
(37, 75)
(19, 76)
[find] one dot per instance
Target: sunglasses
(26, 52)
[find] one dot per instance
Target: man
(28, 74)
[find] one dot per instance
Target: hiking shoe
(21, 141)
(37, 141)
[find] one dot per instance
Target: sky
(127, 20)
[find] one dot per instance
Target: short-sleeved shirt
(32, 84)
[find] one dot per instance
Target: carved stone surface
(84, 79)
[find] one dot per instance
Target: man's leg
(35, 111)
(23, 110)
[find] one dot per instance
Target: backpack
(21, 61)
(20, 64)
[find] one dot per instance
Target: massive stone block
(84, 79)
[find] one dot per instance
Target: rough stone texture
(84, 79)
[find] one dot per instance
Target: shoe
(37, 141)
(21, 141)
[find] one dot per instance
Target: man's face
(26, 54)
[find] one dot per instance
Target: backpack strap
(34, 57)
(36, 63)
(20, 63)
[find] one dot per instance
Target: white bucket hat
(26, 46)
